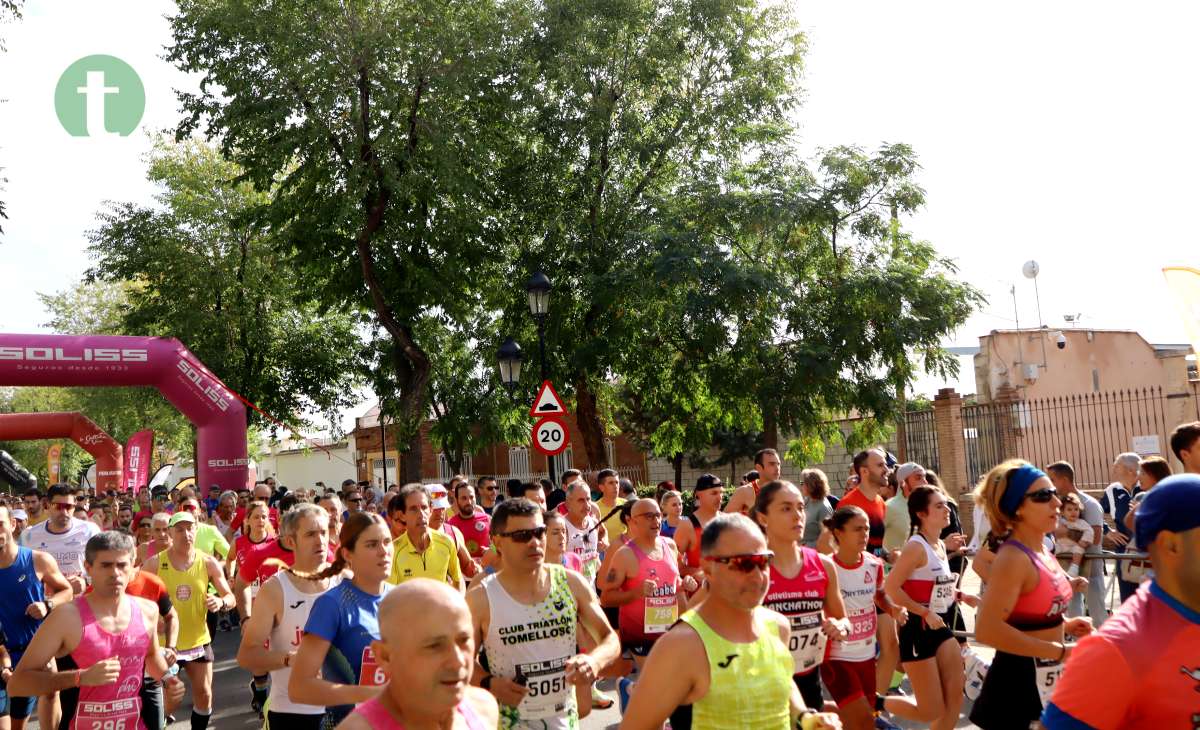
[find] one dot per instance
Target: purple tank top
(379, 718)
(117, 704)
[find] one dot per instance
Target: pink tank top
(801, 599)
(1044, 606)
(379, 718)
(649, 617)
(117, 704)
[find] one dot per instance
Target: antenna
(1031, 271)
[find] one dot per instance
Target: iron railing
(920, 439)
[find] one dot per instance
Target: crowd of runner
(457, 605)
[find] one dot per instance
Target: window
(518, 461)
(565, 460)
(377, 464)
(445, 471)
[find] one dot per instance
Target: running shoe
(882, 723)
(623, 685)
(600, 701)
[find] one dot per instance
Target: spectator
(815, 486)
(1115, 502)
(1078, 532)
(896, 526)
(1062, 476)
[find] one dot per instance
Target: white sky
(1058, 131)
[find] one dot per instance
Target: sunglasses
(1042, 496)
(744, 563)
(191, 508)
(143, 525)
(525, 535)
(62, 507)
(354, 500)
(490, 489)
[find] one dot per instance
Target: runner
(803, 588)
(426, 651)
(488, 493)
(34, 506)
(471, 521)
(643, 582)
(256, 533)
(1022, 614)
(584, 533)
(527, 616)
(151, 587)
(333, 505)
(223, 515)
(678, 528)
(728, 657)
(708, 495)
(31, 585)
(1140, 670)
(335, 665)
(768, 466)
(188, 573)
(922, 583)
(849, 671)
(534, 492)
(110, 637)
(608, 482)
(439, 503)
(62, 536)
(272, 634)
(160, 537)
(421, 552)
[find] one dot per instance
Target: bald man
(428, 651)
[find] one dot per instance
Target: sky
(1062, 132)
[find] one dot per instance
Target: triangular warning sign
(547, 401)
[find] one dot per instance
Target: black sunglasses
(525, 535)
(744, 563)
(1042, 496)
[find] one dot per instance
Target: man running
(34, 506)
(474, 524)
(526, 616)
(708, 495)
(439, 504)
(426, 649)
(111, 638)
(63, 536)
(271, 636)
(488, 493)
(584, 535)
(421, 552)
(768, 466)
(608, 482)
(1142, 668)
(188, 573)
(728, 657)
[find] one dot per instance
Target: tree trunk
(770, 429)
(591, 430)
(677, 462)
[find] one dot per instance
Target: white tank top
(531, 645)
(932, 584)
(586, 544)
(858, 585)
(286, 637)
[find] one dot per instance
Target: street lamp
(539, 288)
(510, 359)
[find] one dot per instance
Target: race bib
(942, 597)
(111, 715)
(549, 693)
(371, 674)
(862, 629)
(661, 613)
(1047, 673)
(807, 644)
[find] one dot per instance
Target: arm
(156, 664)
(911, 558)
(454, 575)
(825, 544)
(58, 588)
(241, 596)
(1086, 538)
(1010, 573)
(738, 500)
(306, 680)
(622, 565)
(836, 625)
(216, 575)
(171, 628)
(32, 678)
(592, 619)
(669, 679)
(253, 654)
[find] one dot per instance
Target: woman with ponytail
(1022, 614)
(335, 665)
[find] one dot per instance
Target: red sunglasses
(744, 563)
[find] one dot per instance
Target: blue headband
(1019, 482)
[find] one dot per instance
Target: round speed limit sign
(550, 436)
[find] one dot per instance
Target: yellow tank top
(749, 685)
(187, 589)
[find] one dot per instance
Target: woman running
(803, 587)
(849, 671)
(922, 583)
(256, 530)
(1022, 613)
(335, 665)
(679, 528)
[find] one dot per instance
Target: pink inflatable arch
(164, 363)
(75, 426)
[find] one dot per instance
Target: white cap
(439, 498)
(20, 514)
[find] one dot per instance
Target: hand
(212, 603)
(169, 656)
(173, 690)
(1078, 627)
(827, 721)
(508, 692)
(1061, 531)
(900, 614)
(969, 599)
(78, 584)
(891, 557)
(934, 621)
(1079, 585)
(648, 587)
(689, 584)
(36, 610)
(582, 669)
(6, 674)
(105, 671)
(836, 629)
(955, 541)
(1115, 539)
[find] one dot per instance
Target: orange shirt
(876, 512)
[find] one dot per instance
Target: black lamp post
(539, 288)
(510, 359)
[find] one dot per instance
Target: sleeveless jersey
(801, 599)
(20, 586)
(585, 543)
(932, 584)
(858, 584)
(750, 684)
(876, 510)
(116, 705)
(649, 617)
(531, 645)
(378, 717)
(286, 637)
(187, 589)
(744, 509)
(692, 557)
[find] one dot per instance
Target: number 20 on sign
(550, 436)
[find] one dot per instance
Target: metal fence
(920, 439)
(982, 426)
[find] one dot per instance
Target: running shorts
(1009, 697)
(848, 681)
(918, 642)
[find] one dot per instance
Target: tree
(9, 10)
(383, 126)
(205, 268)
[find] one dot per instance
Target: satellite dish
(1030, 269)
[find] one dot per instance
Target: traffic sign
(550, 436)
(547, 402)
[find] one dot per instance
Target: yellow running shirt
(613, 526)
(749, 685)
(439, 561)
(187, 589)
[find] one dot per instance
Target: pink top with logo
(801, 599)
(379, 718)
(476, 530)
(117, 704)
(647, 618)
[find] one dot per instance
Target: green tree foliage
(205, 268)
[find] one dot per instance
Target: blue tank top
(20, 586)
(666, 530)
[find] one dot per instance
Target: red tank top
(801, 599)
(646, 619)
(1044, 606)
